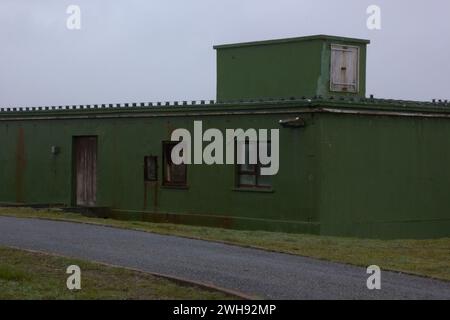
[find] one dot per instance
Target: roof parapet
(371, 100)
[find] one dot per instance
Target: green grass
(29, 275)
(429, 258)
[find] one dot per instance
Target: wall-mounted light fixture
(293, 123)
(55, 150)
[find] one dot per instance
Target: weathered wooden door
(344, 68)
(85, 159)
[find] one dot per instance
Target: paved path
(253, 272)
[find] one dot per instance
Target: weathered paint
(349, 166)
(348, 171)
(85, 162)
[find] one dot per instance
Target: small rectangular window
(249, 175)
(174, 175)
(150, 168)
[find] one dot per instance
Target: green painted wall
(379, 171)
(384, 177)
(360, 167)
(211, 198)
(281, 68)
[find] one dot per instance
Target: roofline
(228, 108)
(289, 40)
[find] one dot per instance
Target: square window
(249, 175)
(247, 180)
(150, 168)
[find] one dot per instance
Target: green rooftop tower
(308, 66)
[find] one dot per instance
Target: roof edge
(331, 101)
(289, 40)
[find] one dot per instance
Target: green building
(350, 165)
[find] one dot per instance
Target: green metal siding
(384, 177)
(211, 196)
(282, 68)
(360, 167)
(367, 168)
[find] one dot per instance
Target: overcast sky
(151, 50)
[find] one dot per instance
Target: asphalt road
(253, 272)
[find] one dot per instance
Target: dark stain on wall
(151, 189)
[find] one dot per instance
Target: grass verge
(430, 258)
(29, 275)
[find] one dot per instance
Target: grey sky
(151, 50)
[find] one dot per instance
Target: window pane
(265, 181)
(249, 174)
(247, 180)
(178, 173)
(247, 168)
(167, 172)
(150, 170)
(173, 174)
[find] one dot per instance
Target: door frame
(73, 199)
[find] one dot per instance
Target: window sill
(260, 190)
(175, 187)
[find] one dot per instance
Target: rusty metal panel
(344, 68)
(86, 170)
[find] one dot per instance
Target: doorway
(85, 170)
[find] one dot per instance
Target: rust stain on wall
(149, 188)
(155, 197)
(145, 195)
(20, 165)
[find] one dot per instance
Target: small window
(249, 175)
(150, 168)
(344, 73)
(174, 175)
